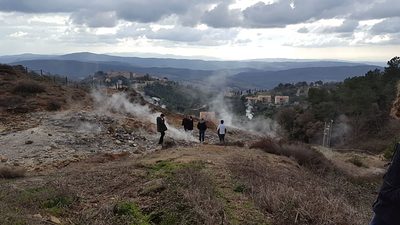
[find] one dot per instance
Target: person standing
(185, 122)
(202, 126)
(387, 204)
(221, 130)
(189, 124)
(161, 127)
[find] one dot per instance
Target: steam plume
(119, 102)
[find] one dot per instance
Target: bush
(28, 87)
(130, 211)
(11, 172)
(389, 150)
(303, 154)
(7, 69)
(356, 160)
(53, 106)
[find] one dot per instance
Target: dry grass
(303, 154)
(234, 143)
(292, 196)
(28, 92)
(11, 172)
(28, 87)
(46, 199)
(11, 101)
(190, 198)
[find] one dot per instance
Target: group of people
(187, 124)
(387, 206)
(221, 130)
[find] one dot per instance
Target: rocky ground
(55, 139)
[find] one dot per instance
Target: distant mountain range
(241, 74)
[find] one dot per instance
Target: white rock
(3, 158)
(38, 216)
(55, 220)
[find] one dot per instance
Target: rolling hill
(239, 74)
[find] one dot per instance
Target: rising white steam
(119, 102)
(221, 109)
(262, 126)
(249, 110)
(341, 129)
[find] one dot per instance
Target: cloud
(107, 13)
(347, 26)
(167, 25)
(222, 17)
(188, 35)
(387, 26)
(378, 10)
(45, 6)
(182, 34)
(18, 34)
(303, 30)
(143, 11)
(285, 12)
(94, 19)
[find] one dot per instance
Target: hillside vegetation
(359, 106)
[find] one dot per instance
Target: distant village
(272, 97)
(123, 79)
(283, 94)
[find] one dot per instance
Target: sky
(357, 30)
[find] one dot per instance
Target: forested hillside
(359, 106)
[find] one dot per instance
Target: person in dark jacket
(184, 122)
(387, 205)
(187, 123)
(190, 124)
(161, 127)
(202, 126)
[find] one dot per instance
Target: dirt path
(355, 164)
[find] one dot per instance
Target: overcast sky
(223, 29)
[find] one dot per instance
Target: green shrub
(132, 212)
(53, 199)
(356, 160)
(56, 204)
(239, 188)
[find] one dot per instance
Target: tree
(393, 64)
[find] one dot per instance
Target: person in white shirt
(221, 130)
